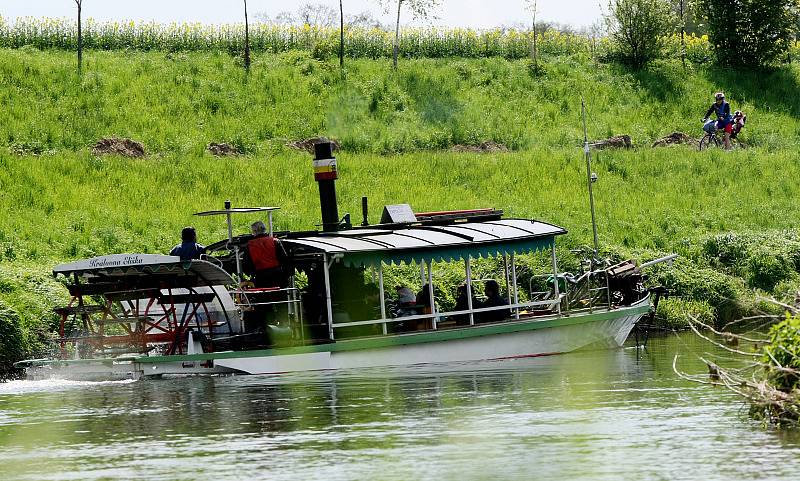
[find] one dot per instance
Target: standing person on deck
(265, 258)
(188, 248)
(722, 111)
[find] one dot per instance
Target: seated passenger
(188, 248)
(406, 302)
(493, 299)
(265, 258)
(462, 304)
(424, 299)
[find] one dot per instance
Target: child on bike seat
(739, 119)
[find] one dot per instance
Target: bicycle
(711, 139)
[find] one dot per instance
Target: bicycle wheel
(708, 141)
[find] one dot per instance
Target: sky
(456, 13)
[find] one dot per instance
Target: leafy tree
(638, 28)
(749, 33)
(317, 14)
(420, 9)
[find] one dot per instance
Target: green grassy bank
(61, 202)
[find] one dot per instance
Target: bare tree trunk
(683, 36)
(246, 39)
(535, 53)
(397, 36)
(80, 37)
(341, 35)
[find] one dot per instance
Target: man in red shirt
(265, 258)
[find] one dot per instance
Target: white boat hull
(524, 338)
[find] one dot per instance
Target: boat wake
(52, 385)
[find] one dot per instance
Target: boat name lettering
(116, 262)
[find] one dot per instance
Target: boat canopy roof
(416, 244)
(119, 266)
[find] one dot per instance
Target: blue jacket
(188, 250)
(722, 113)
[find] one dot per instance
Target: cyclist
(722, 110)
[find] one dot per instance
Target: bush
(749, 33)
(785, 351)
(702, 284)
(638, 29)
(675, 313)
(763, 259)
(11, 341)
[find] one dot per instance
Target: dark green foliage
(702, 284)
(638, 29)
(676, 313)
(784, 352)
(11, 341)
(764, 259)
(749, 33)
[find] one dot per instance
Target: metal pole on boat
(591, 178)
(430, 293)
(383, 295)
(555, 278)
(230, 240)
(468, 262)
(328, 299)
(514, 284)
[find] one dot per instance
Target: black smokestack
(325, 173)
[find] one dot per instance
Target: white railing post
(328, 299)
(555, 278)
(514, 284)
(430, 293)
(468, 262)
(382, 296)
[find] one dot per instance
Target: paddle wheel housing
(149, 307)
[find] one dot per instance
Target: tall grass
(179, 102)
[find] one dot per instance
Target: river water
(599, 415)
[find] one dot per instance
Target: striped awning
(417, 244)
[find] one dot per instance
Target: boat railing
(247, 300)
(541, 305)
(588, 291)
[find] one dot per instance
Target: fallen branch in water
(770, 377)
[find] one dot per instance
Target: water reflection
(590, 415)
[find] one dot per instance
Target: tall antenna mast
(591, 178)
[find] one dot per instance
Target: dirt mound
(675, 138)
(616, 142)
(126, 147)
(488, 147)
(308, 144)
(222, 149)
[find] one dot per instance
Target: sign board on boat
(398, 214)
(117, 261)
